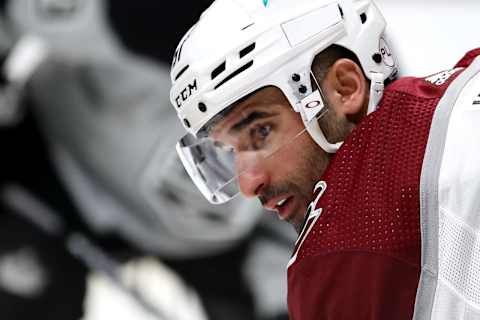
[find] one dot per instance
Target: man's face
(275, 159)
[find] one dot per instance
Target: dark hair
(325, 59)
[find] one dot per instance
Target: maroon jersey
(358, 255)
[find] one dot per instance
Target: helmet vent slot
(247, 50)
(363, 17)
(234, 74)
(248, 26)
(182, 72)
(218, 70)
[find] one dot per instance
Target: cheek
(249, 161)
(302, 162)
(311, 164)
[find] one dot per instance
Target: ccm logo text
(186, 93)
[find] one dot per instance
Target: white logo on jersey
(312, 218)
(442, 77)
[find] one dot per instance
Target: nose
(252, 173)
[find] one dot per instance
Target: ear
(346, 88)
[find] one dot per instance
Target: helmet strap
(376, 91)
(318, 136)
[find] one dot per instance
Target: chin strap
(376, 91)
(317, 135)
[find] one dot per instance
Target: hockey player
(391, 229)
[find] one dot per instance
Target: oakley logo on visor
(313, 104)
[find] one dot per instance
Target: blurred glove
(156, 283)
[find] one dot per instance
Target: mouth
(282, 205)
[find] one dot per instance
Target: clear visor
(211, 168)
(246, 138)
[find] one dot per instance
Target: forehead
(268, 98)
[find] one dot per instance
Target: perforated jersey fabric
(360, 257)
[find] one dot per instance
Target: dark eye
(263, 131)
(259, 135)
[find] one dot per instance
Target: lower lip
(285, 211)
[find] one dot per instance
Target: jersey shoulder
(429, 87)
(433, 86)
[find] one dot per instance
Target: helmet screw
(302, 89)
(187, 123)
(202, 107)
(377, 57)
(296, 77)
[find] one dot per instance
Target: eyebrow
(255, 115)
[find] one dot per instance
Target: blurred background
(98, 218)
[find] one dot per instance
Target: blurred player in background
(87, 232)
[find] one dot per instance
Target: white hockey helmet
(238, 47)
